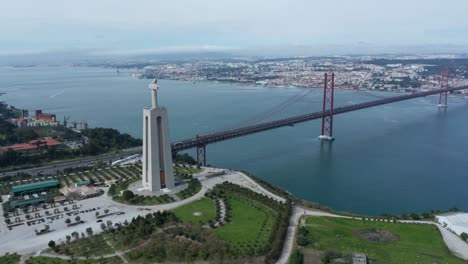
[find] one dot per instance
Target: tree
(302, 241)
(415, 216)
(68, 221)
(464, 236)
(52, 244)
(89, 231)
(68, 238)
(106, 211)
(103, 227)
(127, 195)
(426, 215)
(9, 157)
(97, 214)
(77, 219)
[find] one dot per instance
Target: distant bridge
(326, 114)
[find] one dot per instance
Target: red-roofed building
(33, 145)
(45, 117)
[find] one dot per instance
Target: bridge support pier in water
(327, 109)
(444, 79)
(201, 155)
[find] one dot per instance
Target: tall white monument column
(157, 156)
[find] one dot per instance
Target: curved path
(297, 213)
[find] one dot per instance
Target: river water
(397, 158)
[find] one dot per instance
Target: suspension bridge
(302, 108)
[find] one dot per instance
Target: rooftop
(33, 144)
(35, 185)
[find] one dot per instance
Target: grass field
(250, 227)
(414, 243)
(10, 259)
(194, 186)
(185, 172)
(199, 211)
(47, 260)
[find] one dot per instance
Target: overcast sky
(142, 25)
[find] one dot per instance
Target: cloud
(167, 50)
(119, 26)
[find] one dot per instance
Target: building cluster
(50, 191)
(21, 118)
(350, 73)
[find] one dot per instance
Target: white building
(157, 170)
(455, 222)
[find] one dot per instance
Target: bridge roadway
(202, 140)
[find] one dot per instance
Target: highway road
(52, 168)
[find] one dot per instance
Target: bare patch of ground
(376, 235)
(312, 256)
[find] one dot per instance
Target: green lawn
(194, 186)
(417, 243)
(199, 211)
(250, 227)
(48, 260)
(184, 172)
(10, 258)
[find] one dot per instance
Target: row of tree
(276, 239)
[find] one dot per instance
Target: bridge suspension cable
(300, 98)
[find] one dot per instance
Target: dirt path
(117, 253)
(222, 212)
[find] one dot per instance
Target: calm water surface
(397, 158)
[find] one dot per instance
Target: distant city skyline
(245, 27)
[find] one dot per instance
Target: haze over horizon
(132, 28)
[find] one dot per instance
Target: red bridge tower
(444, 83)
(327, 109)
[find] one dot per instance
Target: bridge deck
(243, 131)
